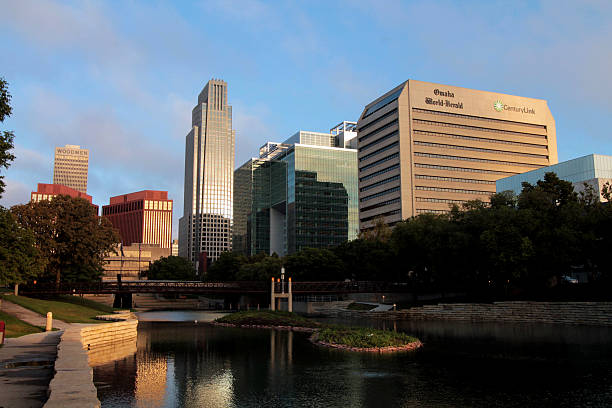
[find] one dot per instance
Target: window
(383, 102)
(380, 183)
(388, 147)
(376, 163)
(382, 193)
(382, 139)
(380, 129)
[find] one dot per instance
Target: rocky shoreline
(262, 326)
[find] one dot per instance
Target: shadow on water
(462, 364)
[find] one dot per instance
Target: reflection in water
(462, 364)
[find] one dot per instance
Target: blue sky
(121, 77)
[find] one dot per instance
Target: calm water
(182, 364)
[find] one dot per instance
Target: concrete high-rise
(71, 166)
(424, 146)
(205, 230)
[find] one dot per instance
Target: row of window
(439, 200)
(478, 128)
(479, 149)
(388, 147)
(447, 157)
(478, 139)
(377, 162)
(380, 183)
(425, 211)
(465, 169)
(382, 139)
(382, 103)
(458, 115)
(377, 120)
(379, 172)
(378, 130)
(387, 214)
(382, 204)
(453, 190)
(453, 179)
(380, 194)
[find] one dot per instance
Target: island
(358, 339)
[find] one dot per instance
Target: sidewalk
(26, 368)
(29, 316)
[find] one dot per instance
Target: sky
(120, 78)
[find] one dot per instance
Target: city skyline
(113, 103)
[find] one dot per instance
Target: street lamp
(383, 299)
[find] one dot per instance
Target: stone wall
(80, 348)
(581, 313)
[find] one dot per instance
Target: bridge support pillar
(275, 296)
(122, 301)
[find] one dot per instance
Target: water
(183, 364)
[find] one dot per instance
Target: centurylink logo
(498, 106)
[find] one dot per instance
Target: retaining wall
(575, 313)
(80, 346)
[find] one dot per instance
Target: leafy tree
(226, 267)
(172, 268)
(367, 259)
(6, 137)
(314, 264)
(260, 267)
(70, 236)
(20, 260)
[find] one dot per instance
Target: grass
(17, 328)
(62, 310)
(267, 318)
(92, 304)
(364, 337)
(360, 306)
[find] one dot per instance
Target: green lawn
(16, 327)
(364, 337)
(267, 318)
(66, 311)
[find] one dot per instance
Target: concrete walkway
(26, 368)
(29, 316)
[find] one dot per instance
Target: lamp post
(282, 279)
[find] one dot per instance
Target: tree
(314, 264)
(6, 137)
(70, 236)
(20, 260)
(226, 267)
(172, 268)
(260, 267)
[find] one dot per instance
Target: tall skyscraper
(425, 146)
(70, 168)
(205, 230)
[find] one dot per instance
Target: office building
(133, 263)
(594, 169)
(71, 166)
(205, 230)
(175, 247)
(424, 147)
(298, 194)
(48, 191)
(143, 217)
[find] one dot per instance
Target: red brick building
(48, 191)
(142, 217)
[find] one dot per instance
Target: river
(181, 363)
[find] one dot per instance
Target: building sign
(443, 102)
(500, 106)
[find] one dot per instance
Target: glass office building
(593, 169)
(297, 195)
(206, 226)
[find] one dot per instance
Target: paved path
(29, 316)
(26, 368)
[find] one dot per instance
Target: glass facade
(305, 197)
(206, 226)
(581, 169)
